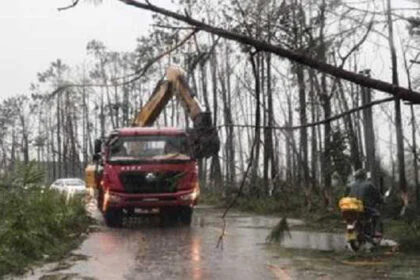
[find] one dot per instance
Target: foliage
(283, 201)
(27, 176)
(36, 222)
(406, 232)
(340, 159)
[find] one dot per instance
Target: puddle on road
(314, 241)
(295, 240)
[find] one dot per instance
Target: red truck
(151, 168)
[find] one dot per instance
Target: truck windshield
(156, 147)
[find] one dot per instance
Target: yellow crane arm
(183, 92)
(173, 84)
(154, 106)
(203, 138)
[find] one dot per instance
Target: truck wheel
(100, 199)
(130, 212)
(113, 217)
(167, 216)
(185, 215)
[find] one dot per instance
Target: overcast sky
(33, 34)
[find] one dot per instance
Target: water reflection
(145, 250)
(314, 241)
(112, 254)
(196, 270)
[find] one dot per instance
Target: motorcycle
(360, 224)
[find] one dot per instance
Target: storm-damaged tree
(54, 77)
(315, 57)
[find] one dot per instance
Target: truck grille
(150, 182)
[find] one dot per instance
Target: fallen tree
(362, 80)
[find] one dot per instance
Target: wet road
(144, 250)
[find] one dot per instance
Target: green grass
(211, 198)
(289, 205)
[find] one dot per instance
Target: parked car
(69, 185)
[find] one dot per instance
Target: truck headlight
(112, 198)
(190, 196)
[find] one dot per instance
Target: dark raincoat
(364, 190)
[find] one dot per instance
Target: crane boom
(203, 138)
(154, 106)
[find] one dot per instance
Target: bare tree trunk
(230, 133)
(326, 105)
(203, 78)
(413, 137)
(314, 151)
(102, 115)
(289, 144)
(215, 166)
(398, 121)
(369, 134)
(85, 127)
(255, 62)
(58, 135)
(125, 106)
(223, 78)
(66, 136)
(25, 139)
(354, 147)
(13, 151)
(303, 131)
(268, 133)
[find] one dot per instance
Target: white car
(69, 185)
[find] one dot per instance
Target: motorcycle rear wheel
(355, 245)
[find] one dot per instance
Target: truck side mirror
(98, 146)
(97, 150)
(96, 157)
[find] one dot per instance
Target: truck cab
(145, 167)
(149, 169)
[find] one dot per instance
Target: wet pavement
(145, 250)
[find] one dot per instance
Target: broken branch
(74, 4)
(314, 123)
(396, 91)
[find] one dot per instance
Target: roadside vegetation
(36, 224)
